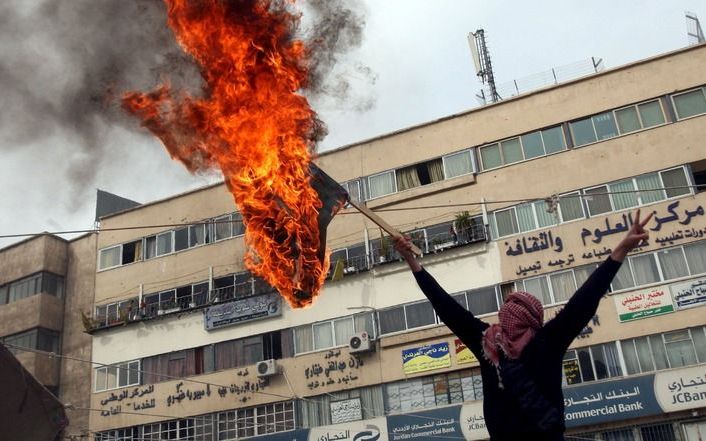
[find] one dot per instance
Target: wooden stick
(392, 231)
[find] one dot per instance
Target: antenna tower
(481, 60)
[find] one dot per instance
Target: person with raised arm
(521, 356)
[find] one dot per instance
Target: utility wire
(381, 210)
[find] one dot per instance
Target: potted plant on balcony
(463, 224)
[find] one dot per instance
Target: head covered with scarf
(520, 317)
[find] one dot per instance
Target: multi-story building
(45, 284)
(530, 193)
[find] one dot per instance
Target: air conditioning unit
(360, 342)
(267, 368)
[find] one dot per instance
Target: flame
(253, 126)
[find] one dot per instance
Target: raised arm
(460, 321)
(582, 306)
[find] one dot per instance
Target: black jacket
(541, 359)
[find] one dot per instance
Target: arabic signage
(643, 304)
(242, 310)
(292, 435)
(344, 411)
(473, 422)
(426, 358)
(441, 423)
(689, 294)
(369, 430)
(590, 241)
(335, 368)
(463, 354)
(681, 389)
(601, 402)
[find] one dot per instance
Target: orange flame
(253, 126)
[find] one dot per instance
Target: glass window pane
(238, 225)
(458, 164)
(672, 263)
(697, 334)
(150, 247)
(323, 338)
(630, 357)
(482, 301)
(585, 364)
(539, 288)
(344, 329)
(223, 227)
(563, 285)
(461, 299)
(112, 377)
(164, 243)
(101, 379)
(605, 125)
(581, 273)
(197, 235)
(391, 320)
(122, 375)
(525, 217)
(696, 257)
(582, 132)
(506, 222)
(490, 156)
(599, 362)
(644, 268)
(382, 184)
(659, 353)
(628, 121)
(623, 279)
(690, 103)
(651, 113)
(647, 184)
(303, 339)
(110, 257)
(181, 239)
(420, 314)
(675, 178)
(364, 322)
(680, 349)
(570, 207)
(134, 372)
(622, 201)
(644, 354)
(512, 151)
(532, 145)
(598, 203)
(544, 219)
(553, 140)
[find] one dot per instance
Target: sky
(412, 65)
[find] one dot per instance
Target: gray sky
(413, 66)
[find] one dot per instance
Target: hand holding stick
(403, 245)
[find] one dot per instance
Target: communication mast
(481, 60)
(693, 28)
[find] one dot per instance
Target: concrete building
(190, 346)
(45, 284)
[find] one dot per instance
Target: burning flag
(252, 125)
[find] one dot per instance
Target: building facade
(45, 283)
(526, 194)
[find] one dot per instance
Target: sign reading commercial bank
(242, 310)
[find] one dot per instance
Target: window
(420, 174)
(570, 207)
(504, 223)
(199, 235)
(132, 252)
(689, 103)
(381, 184)
(43, 282)
(696, 257)
(433, 390)
(527, 146)
(223, 227)
(583, 132)
(538, 287)
(353, 189)
(596, 128)
(181, 239)
(420, 314)
(596, 362)
(331, 333)
(598, 200)
(644, 269)
(490, 156)
(109, 257)
(260, 420)
(392, 320)
(117, 375)
(664, 351)
(639, 117)
(482, 300)
(458, 164)
(672, 263)
(675, 182)
(563, 285)
(164, 243)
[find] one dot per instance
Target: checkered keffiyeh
(520, 317)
